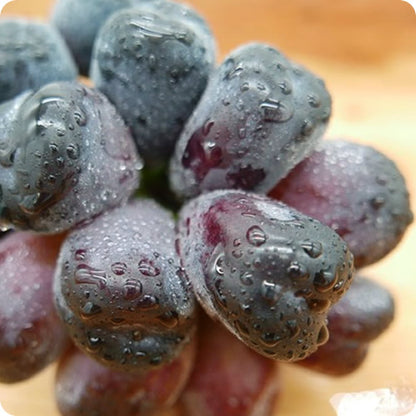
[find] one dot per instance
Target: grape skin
(79, 22)
(31, 334)
(355, 190)
(153, 63)
(259, 116)
(268, 272)
(362, 315)
(121, 291)
(85, 387)
(32, 54)
(228, 378)
(63, 141)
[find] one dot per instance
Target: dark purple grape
(268, 272)
(85, 387)
(79, 22)
(121, 291)
(65, 157)
(31, 334)
(355, 190)
(228, 377)
(32, 54)
(259, 116)
(153, 63)
(361, 316)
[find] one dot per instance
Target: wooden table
(365, 51)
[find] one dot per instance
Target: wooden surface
(365, 51)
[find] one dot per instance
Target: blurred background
(365, 50)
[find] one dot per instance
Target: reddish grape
(31, 334)
(355, 190)
(362, 315)
(85, 387)
(229, 378)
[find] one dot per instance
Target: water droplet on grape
(275, 110)
(132, 289)
(119, 268)
(270, 291)
(147, 268)
(323, 335)
(256, 236)
(247, 279)
(312, 248)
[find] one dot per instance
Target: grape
(361, 316)
(31, 334)
(268, 272)
(228, 378)
(259, 116)
(32, 54)
(85, 387)
(121, 291)
(56, 146)
(80, 20)
(371, 217)
(153, 63)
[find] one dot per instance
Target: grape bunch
(171, 225)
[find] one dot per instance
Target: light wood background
(366, 52)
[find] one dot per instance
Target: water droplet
(307, 128)
(94, 342)
(80, 254)
(90, 309)
(119, 268)
(234, 72)
(285, 87)
(148, 302)
(80, 117)
(378, 201)
(247, 279)
(53, 147)
(324, 280)
(206, 128)
(312, 248)
(274, 110)
(152, 61)
(88, 275)
(297, 270)
(132, 289)
(72, 151)
(293, 327)
(147, 268)
(270, 339)
(256, 236)
(237, 253)
(314, 101)
(270, 291)
(136, 335)
(242, 133)
(219, 265)
(245, 86)
(323, 335)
